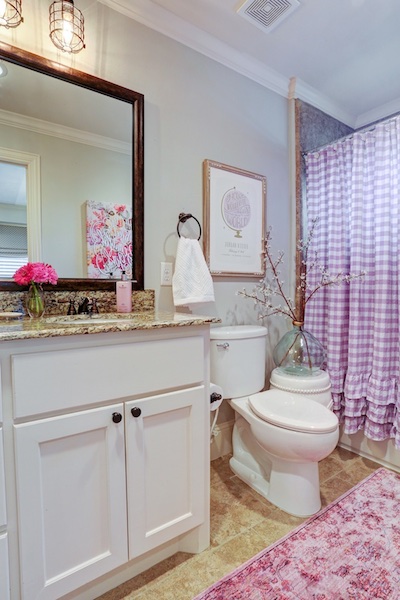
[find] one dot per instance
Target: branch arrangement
(269, 294)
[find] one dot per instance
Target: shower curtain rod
(350, 135)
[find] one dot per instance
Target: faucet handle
(83, 307)
(94, 309)
(71, 308)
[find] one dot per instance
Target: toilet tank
(237, 359)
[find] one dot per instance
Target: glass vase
(299, 352)
(35, 301)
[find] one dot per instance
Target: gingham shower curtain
(353, 192)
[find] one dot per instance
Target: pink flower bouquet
(35, 273)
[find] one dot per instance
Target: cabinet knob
(136, 412)
(117, 417)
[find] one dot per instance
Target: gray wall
(69, 176)
(195, 109)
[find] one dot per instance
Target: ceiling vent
(267, 14)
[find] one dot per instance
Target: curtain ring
(183, 217)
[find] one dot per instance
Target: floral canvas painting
(109, 240)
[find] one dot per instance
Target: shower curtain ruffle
(353, 190)
(362, 401)
(377, 425)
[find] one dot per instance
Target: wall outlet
(166, 273)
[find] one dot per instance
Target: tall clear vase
(299, 352)
(35, 305)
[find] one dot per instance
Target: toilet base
(291, 486)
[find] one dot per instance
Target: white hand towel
(191, 282)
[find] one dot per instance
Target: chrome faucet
(88, 307)
(71, 307)
(93, 308)
(83, 307)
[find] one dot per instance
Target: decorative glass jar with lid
(299, 352)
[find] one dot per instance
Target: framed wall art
(234, 220)
(108, 240)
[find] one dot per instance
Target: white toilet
(281, 434)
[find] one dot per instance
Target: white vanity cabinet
(4, 575)
(165, 467)
(71, 500)
(111, 443)
(4, 569)
(3, 512)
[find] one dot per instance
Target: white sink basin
(94, 321)
(89, 321)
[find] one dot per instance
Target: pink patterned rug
(348, 551)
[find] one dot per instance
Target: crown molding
(303, 91)
(60, 131)
(165, 22)
(377, 114)
(161, 20)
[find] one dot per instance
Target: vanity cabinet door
(3, 514)
(71, 500)
(165, 467)
(4, 577)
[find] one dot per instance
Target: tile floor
(242, 524)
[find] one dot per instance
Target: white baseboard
(383, 453)
(221, 443)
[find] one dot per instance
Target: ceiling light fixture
(10, 13)
(66, 26)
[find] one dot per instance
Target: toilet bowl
(279, 436)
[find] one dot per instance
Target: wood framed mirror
(35, 64)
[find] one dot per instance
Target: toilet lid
(293, 411)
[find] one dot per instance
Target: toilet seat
(293, 411)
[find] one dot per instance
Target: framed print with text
(234, 220)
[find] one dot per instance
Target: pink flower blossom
(35, 273)
(99, 261)
(100, 216)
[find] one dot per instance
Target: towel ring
(183, 217)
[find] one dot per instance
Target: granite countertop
(55, 326)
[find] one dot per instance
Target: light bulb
(3, 10)
(67, 32)
(10, 13)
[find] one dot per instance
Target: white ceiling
(343, 56)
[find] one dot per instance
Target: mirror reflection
(87, 148)
(13, 218)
